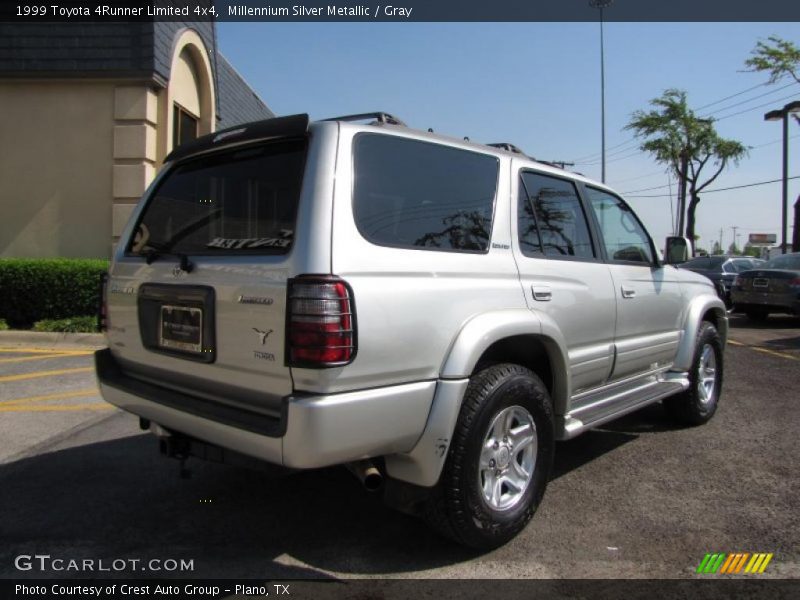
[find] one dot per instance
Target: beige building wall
(76, 156)
(56, 161)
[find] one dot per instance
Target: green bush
(70, 325)
(33, 289)
(3, 325)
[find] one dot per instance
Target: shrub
(3, 325)
(70, 325)
(49, 288)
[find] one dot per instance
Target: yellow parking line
(764, 350)
(774, 353)
(44, 374)
(75, 394)
(25, 350)
(42, 357)
(55, 407)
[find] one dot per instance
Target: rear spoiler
(292, 126)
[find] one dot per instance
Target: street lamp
(782, 114)
(601, 4)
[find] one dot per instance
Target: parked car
(773, 287)
(722, 270)
(431, 312)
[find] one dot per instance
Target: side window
(551, 220)
(413, 194)
(623, 236)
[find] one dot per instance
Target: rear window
(242, 201)
(412, 194)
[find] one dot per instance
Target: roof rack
(381, 117)
(508, 148)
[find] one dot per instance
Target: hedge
(70, 325)
(34, 289)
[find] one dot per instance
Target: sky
(537, 85)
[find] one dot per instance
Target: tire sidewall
(520, 389)
(708, 335)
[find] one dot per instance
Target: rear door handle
(628, 292)
(542, 293)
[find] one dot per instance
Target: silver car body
(610, 337)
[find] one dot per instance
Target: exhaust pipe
(367, 473)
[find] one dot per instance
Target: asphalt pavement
(639, 498)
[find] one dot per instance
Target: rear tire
(698, 404)
(499, 459)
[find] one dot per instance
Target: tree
(733, 249)
(750, 250)
(688, 145)
(778, 57)
(717, 249)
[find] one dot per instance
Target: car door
(563, 277)
(649, 303)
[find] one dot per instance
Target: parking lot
(639, 498)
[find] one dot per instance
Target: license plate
(181, 328)
(760, 283)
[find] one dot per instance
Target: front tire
(698, 404)
(499, 459)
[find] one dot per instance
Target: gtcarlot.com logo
(733, 563)
(45, 562)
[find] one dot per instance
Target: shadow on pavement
(739, 321)
(121, 499)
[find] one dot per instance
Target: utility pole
(601, 4)
(560, 163)
(721, 247)
(735, 235)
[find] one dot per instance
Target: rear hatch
(196, 299)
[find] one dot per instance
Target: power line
(750, 89)
(735, 187)
(661, 172)
(746, 110)
(595, 156)
(659, 187)
(769, 93)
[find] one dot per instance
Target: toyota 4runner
(432, 312)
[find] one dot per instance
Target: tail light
(795, 283)
(102, 308)
(320, 322)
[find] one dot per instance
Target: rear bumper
(786, 302)
(312, 430)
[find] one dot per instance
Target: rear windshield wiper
(154, 252)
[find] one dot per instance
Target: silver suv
(431, 312)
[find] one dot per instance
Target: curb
(45, 339)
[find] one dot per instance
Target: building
(89, 111)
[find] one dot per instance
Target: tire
(503, 398)
(698, 404)
(759, 315)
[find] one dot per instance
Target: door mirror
(677, 250)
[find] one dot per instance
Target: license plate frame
(182, 330)
(760, 282)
